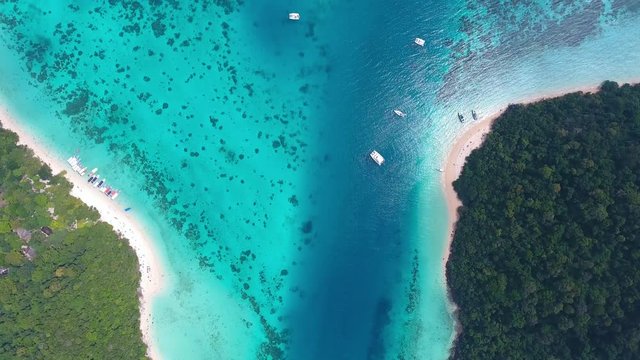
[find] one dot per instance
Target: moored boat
(474, 115)
(93, 178)
(460, 117)
(399, 113)
(419, 41)
(294, 16)
(377, 157)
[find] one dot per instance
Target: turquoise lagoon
(241, 141)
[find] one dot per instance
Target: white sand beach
(111, 212)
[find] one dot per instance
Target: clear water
(241, 141)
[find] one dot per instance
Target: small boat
(100, 183)
(114, 194)
(441, 170)
(399, 113)
(73, 161)
(419, 41)
(127, 209)
(460, 117)
(377, 157)
(93, 172)
(76, 165)
(294, 16)
(474, 115)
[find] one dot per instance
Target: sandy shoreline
(461, 147)
(151, 282)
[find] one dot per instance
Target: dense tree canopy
(545, 258)
(76, 298)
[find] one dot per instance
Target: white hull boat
(377, 157)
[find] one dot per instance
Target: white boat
(399, 113)
(419, 41)
(294, 16)
(377, 157)
(76, 165)
(441, 170)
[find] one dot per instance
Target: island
(544, 258)
(69, 284)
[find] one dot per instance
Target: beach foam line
(461, 147)
(152, 274)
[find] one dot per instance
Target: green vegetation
(544, 262)
(77, 297)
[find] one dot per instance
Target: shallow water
(241, 139)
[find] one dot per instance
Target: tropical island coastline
(152, 274)
(470, 139)
(462, 147)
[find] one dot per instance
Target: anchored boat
(93, 178)
(76, 165)
(460, 117)
(399, 113)
(377, 157)
(294, 16)
(419, 41)
(474, 115)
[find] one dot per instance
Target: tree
(78, 298)
(543, 261)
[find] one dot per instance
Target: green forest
(71, 294)
(545, 261)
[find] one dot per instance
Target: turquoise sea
(241, 141)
